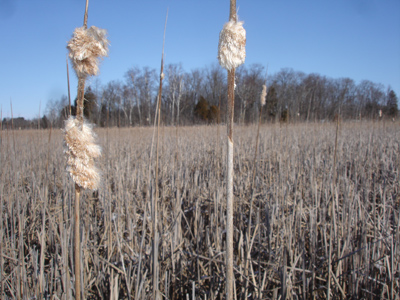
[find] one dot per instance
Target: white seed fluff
(263, 95)
(232, 44)
(86, 47)
(81, 151)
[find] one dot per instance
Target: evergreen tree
(90, 104)
(272, 102)
(213, 114)
(201, 110)
(391, 106)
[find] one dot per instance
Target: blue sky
(359, 39)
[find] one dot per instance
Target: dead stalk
(156, 294)
(229, 204)
(77, 238)
(230, 54)
(248, 254)
(77, 243)
(69, 90)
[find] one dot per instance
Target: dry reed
(292, 187)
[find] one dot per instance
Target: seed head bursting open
(86, 48)
(263, 95)
(81, 151)
(231, 47)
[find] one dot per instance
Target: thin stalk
(77, 244)
(79, 117)
(1, 208)
(248, 256)
(80, 99)
(229, 185)
(69, 91)
(218, 136)
(335, 152)
(40, 103)
(229, 204)
(155, 203)
(12, 128)
(1, 132)
(330, 260)
(42, 245)
(1, 241)
(86, 14)
(127, 282)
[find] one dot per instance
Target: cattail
(81, 152)
(86, 48)
(231, 54)
(263, 95)
(231, 47)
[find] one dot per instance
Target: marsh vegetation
(318, 227)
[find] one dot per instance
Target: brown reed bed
(309, 235)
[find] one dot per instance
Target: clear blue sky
(359, 39)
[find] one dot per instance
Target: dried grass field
(319, 221)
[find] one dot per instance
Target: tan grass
(293, 189)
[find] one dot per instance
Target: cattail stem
(229, 200)
(232, 11)
(79, 117)
(77, 244)
(229, 203)
(335, 151)
(155, 203)
(40, 103)
(231, 54)
(85, 49)
(80, 99)
(86, 14)
(69, 90)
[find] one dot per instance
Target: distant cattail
(81, 152)
(86, 47)
(263, 95)
(231, 47)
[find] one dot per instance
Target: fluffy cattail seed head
(86, 47)
(81, 151)
(231, 47)
(263, 95)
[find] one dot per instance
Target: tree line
(199, 97)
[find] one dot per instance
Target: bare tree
(147, 92)
(55, 111)
(132, 89)
(97, 89)
(193, 87)
(112, 96)
(215, 87)
(370, 98)
(249, 81)
(174, 74)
